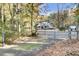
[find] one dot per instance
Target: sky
(52, 7)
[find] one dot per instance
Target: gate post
(77, 30)
(54, 34)
(77, 34)
(3, 39)
(69, 33)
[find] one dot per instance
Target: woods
(20, 19)
(17, 19)
(34, 28)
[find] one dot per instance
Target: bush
(10, 36)
(62, 28)
(33, 34)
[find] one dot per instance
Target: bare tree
(58, 15)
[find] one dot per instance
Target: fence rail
(52, 34)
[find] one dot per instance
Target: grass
(29, 46)
(0, 37)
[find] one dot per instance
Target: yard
(28, 46)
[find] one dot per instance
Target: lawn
(0, 37)
(28, 46)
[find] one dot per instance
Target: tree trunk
(3, 32)
(31, 18)
(58, 16)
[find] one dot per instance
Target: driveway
(19, 50)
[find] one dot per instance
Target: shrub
(62, 28)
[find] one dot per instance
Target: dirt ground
(61, 48)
